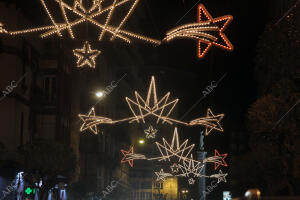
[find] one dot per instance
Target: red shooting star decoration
(208, 31)
(125, 154)
(223, 156)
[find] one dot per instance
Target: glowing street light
(141, 141)
(99, 94)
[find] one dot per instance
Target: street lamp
(141, 141)
(99, 94)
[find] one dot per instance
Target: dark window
(50, 88)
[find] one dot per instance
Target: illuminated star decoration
(221, 177)
(208, 31)
(189, 167)
(191, 181)
(150, 132)
(90, 121)
(125, 154)
(211, 122)
(86, 56)
(181, 151)
(175, 168)
(222, 156)
(81, 14)
(161, 175)
(160, 110)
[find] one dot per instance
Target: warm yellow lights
(84, 15)
(86, 56)
(208, 31)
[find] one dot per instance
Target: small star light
(175, 168)
(150, 132)
(86, 56)
(221, 177)
(191, 181)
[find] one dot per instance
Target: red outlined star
(221, 22)
(125, 154)
(223, 156)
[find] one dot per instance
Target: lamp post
(202, 156)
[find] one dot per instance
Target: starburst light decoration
(86, 55)
(181, 151)
(208, 31)
(150, 132)
(160, 109)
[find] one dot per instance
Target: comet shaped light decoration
(208, 31)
